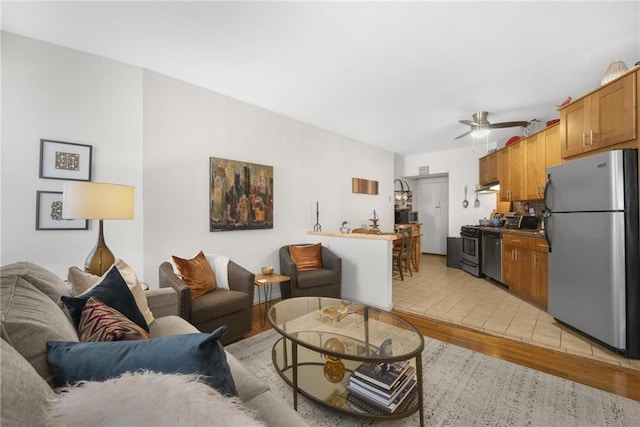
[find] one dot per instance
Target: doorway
(433, 208)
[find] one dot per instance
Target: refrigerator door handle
(546, 190)
(545, 220)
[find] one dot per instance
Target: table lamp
(97, 200)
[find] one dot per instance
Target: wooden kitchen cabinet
(603, 118)
(539, 269)
(489, 169)
(541, 151)
(512, 179)
(524, 267)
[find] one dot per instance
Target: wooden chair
(402, 252)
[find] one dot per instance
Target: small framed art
(49, 213)
(65, 160)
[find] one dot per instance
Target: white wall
(56, 93)
(157, 134)
(462, 167)
(186, 125)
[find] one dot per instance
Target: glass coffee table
(324, 340)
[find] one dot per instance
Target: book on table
(382, 389)
(364, 387)
(384, 375)
(399, 403)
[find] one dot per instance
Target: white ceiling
(392, 74)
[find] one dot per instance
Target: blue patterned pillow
(201, 354)
(114, 292)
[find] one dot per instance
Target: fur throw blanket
(147, 399)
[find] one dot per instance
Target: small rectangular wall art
(49, 213)
(364, 186)
(65, 160)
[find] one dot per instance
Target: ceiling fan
(480, 125)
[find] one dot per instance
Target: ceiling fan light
(479, 133)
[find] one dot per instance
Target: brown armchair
(232, 307)
(326, 282)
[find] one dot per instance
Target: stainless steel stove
(471, 258)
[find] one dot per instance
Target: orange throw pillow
(308, 257)
(197, 274)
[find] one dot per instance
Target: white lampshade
(96, 200)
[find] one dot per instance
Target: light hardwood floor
(450, 305)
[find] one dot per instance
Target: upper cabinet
(541, 151)
(489, 169)
(511, 161)
(604, 118)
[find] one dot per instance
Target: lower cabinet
(524, 267)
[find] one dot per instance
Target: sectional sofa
(31, 317)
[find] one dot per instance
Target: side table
(265, 282)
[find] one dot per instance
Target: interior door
(434, 214)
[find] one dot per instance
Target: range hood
(488, 188)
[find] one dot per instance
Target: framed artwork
(65, 160)
(49, 213)
(240, 195)
(364, 186)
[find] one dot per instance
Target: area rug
(463, 388)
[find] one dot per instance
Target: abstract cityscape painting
(240, 195)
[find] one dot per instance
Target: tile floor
(452, 295)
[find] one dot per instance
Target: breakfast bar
(366, 265)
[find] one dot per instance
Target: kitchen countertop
(532, 233)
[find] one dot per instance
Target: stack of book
(384, 388)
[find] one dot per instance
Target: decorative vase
(334, 369)
(616, 69)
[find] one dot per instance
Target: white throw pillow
(81, 282)
(147, 399)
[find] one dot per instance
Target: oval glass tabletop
(361, 332)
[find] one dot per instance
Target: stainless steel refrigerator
(591, 226)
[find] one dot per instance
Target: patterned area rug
(462, 388)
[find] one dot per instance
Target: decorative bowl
(267, 270)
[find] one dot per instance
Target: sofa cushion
(247, 384)
(99, 322)
(114, 292)
(118, 402)
(311, 279)
(275, 411)
(184, 354)
(82, 281)
(171, 325)
(307, 257)
(29, 319)
(24, 392)
(42, 279)
(221, 301)
(197, 274)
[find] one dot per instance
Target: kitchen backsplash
(521, 207)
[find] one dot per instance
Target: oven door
(470, 248)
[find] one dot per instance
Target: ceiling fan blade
(507, 125)
(464, 134)
(468, 122)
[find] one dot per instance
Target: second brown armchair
(232, 307)
(324, 282)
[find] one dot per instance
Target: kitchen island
(366, 265)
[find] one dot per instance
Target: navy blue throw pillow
(201, 354)
(114, 292)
